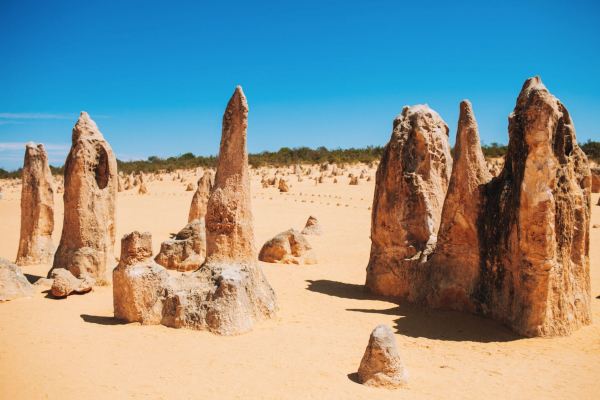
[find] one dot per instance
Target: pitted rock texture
(65, 284)
(381, 365)
(37, 208)
(412, 180)
(515, 247)
(288, 247)
(229, 293)
(88, 235)
(187, 251)
(13, 284)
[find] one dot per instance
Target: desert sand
(73, 348)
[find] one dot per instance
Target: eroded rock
(13, 284)
(312, 227)
(37, 208)
(381, 365)
(88, 235)
(187, 251)
(288, 247)
(65, 284)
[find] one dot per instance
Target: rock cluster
(288, 247)
(88, 235)
(229, 293)
(514, 247)
(13, 284)
(37, 208)
(381, 365)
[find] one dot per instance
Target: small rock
(381, 365)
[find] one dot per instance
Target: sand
(74, 349)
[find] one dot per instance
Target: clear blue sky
(156, 75)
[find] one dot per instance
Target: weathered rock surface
(514, 247)
(381, 365)
(200, 198)
(13, 284)
(410, 188)
(312, 227)
(65, 283)
(229, 293)
(187, 251)
(37, 208)
(88, 235)
(596, 180)
(288, 247)
(283, 186)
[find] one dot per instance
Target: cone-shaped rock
(381, 365)
(200, 199)
(410, 188)
(457, 256)
(37, 208)
(312, 227)
(88, 235)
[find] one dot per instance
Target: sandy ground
(74, 349)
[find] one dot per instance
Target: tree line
(284, 157)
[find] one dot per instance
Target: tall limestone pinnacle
(88, 235)
(514, 247)
(229, 222)
(37, 208)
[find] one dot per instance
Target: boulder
(65, 283)
(283, 186)
(288, 247)
(381, 365)
(88, 234)
(13, 284)
(37, 208)
(187, 251)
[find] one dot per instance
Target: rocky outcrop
(283, 186)
(288, 247)
(312, 227)
(88, 235)
(64, 284)
(13, 284)
(37, 208)
(187, 251)
(381, 365)
(200, 199)
(229, 293)
(514, 247)
(410, 188)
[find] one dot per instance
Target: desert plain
(74, 348)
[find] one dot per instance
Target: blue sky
(156, 75)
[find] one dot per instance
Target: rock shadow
(101, 320)
(416, 321)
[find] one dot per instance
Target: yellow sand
(73, 349)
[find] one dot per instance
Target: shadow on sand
(100, 320)
(416, 321)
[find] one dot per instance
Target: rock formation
(353, 180)
(65, 284)
(514, 247)
(143, 189)
(37, 208)
(200, 199)
(283, 186)
(410, 187)
(229, 293)
(596, 180)
(381, 365)
(187, 251)
(312, 227)
(13, 283)
(88, 235)
(288, 247)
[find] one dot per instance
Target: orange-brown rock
(88, 235)
(381, 365)
(410, 188)
(515, 247)
(283, 186)
(187, 250)
(37, 208)
(229, 293)
(288, 247)
(596, 180)
(312, 227)
(65, 284)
